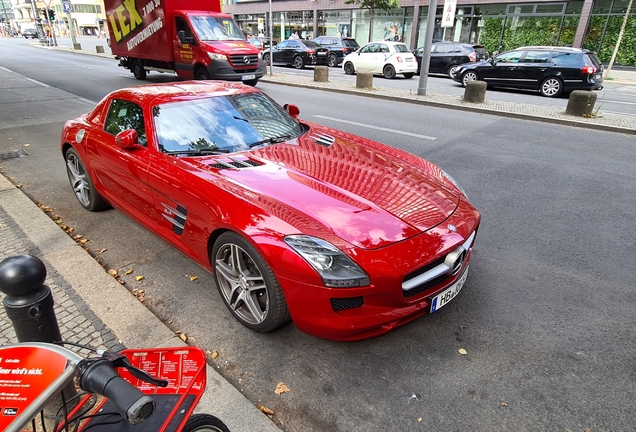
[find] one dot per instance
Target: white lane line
(5, 69)
(430, 138)
(87, 101)
(616, 102)
(37, 82)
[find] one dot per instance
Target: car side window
(537, 57)
(384, 48)
(293, 44)
(510, 57)
(371, 48)
(445, 48)
(282, 45)
(123, 115)
(563, 58)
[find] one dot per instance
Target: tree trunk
(371, 25)
(618, 41)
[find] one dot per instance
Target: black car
(30, 33)
(547, 69)
(298, 53)
(447, 56)
(338, 47)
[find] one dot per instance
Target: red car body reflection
(400, 218)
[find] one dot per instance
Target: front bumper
(223, 70)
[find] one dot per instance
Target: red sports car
(346, 236)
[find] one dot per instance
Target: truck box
(189, 37)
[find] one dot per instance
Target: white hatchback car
(383, 58)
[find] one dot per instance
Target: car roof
(177, 91)
(551, 48)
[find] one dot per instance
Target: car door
(368, 58)
(440, 57)
(123, 172)
(532, 69)
(503, 70)
(293, 47)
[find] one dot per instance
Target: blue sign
(66, 6)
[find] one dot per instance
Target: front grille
(427, 285)
(424, 269)
(235, 163)
(239, 60)
(340, 304)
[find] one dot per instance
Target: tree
(372, 6)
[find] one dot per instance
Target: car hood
(364, 192)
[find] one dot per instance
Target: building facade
(591, 24)
(88, 16)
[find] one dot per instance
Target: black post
(28, 302)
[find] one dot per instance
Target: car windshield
(216, 28)
(223, 124)
(311, 44)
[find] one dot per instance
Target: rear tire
(349, 69)
(408, 75)
(389, 72)
(333, 60)
(266, 59)
(205, 423)
(138, 70)
(299, 63)
(551, 87)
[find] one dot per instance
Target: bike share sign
(448, 17)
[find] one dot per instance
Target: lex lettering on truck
(126, 20)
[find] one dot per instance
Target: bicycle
(118, 390)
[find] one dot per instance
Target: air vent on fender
(234, 164)
(323, 140)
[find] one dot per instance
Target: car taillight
(345, 50)
(472, 57)
(589, 69)
(310, 52)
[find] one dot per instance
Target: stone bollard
(475, 92)
(581, 103)
(265, 68)
(364, 80)
(77, 46)
(321, 74)
(99, 49)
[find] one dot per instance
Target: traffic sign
(66, 6)
(448, 16)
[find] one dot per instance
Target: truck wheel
(202, 74)
(251, 82)
(138, 69)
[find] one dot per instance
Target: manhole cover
(13, 154)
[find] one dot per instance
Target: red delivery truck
(190, 37)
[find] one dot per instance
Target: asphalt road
(546, 316)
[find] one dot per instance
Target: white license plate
(322, 53)
(448, 294)
(248, 77)
(408, 59)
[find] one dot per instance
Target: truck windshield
(210, 28)
(222, 124)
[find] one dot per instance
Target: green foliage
(374, 5)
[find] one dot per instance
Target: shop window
(551, 8)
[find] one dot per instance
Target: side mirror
(127, 139)
(292, 110)
(181, 36)
(492, 61)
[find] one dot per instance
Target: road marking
(37, 82)
(5, 69)
(87, 101)
(617, 102)
(430, 138)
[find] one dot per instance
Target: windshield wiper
(196, 152)
(273, 140)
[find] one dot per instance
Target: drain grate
(13, 154)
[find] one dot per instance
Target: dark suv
(547, 69)
(338, 47)
(447, 56)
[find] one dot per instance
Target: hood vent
(324, 140)
(234, 164)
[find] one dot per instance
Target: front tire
(409, 75)
(452, 71)
(247, 284)
(138, 70)
(204, 423)
(388, 72)
(551, 87)
(333, 60)
(82, 184)
(266, 59)
(251, 83)
(202, 74)
(299, 63)
(469, 76)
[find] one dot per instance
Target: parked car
(260, 43)
(383, 58)
(547, 69)
(30, 33)
(338, 48)
(446, 56)
(298, 53)
(347, 236)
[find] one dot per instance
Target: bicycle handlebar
(99, 376)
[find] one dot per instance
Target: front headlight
(453, 181)
(215, 56)
(335, 268)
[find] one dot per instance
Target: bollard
(364, 80)
(475, 92)
(581, 103)
(28, 302)
(77, 46)
(99, 49)
(321, 74)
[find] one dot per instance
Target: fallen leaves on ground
(139, 278)
(193, 278)
(281, 388)
(265, 410)
(462, 351)
(113, 273)
(215, 354)
(504, 404)
(129, 271)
